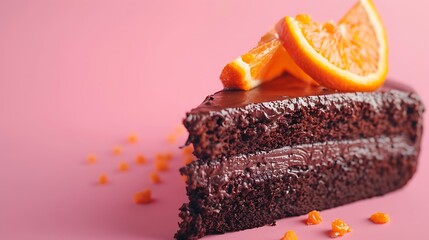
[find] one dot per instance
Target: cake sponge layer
(252, 190)
(284, 113)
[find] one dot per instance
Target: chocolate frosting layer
(284, 87)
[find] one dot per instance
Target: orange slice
(265, 62)
(350, 55)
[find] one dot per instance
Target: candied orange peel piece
(141, 159)
(143, 197)
(123, 166)
(290, 235)
(161, 165)
(154, 177)
(380, 218)
(314, 218)
(103, 179)
(339, 228)
(91, 159)
(117, 150)
(133, 138)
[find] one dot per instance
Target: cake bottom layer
(248, 191)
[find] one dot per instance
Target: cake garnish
(290, 235)
(339, 228)
(143, 197)
(103, 179)
(348, 55)
(314, 218)
(380, 218)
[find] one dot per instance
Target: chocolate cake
(284, 149)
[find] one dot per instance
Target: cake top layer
(284, 87)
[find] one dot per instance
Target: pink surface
(78, 76)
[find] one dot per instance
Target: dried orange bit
(161, 165)
(188, 149)
(143, 197)
(314, 218)
(164, 156)
(380, 218)
(140, 159)
(188, 159)
(91, 159)
(102, 179)
(133, 138)
(339, 228)
(180, 129)
(154, 177)
(290, 235)
(171, 138)
(117, 150)
(123, 166)
(184, 178)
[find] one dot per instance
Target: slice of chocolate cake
(284, 149)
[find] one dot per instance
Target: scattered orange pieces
(117, 150)
(164, 156)
(91, 159)
(133, 138)
(102, 179)
(180, 129)
(339, 228)
(188, 149)
(123, 166)
(379, 218)
(314, 218)
(143, 197)
(154, 177)
(140, 159)
(188, 159)
(161, 165)
(289, 235)
(171, 138)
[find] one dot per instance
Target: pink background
(78, 76)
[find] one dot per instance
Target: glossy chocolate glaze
(282, 88)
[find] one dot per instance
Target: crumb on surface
(180, 129)
(117, 150)
(161, 165)
(290, 235)
(141, 159)
(91, 159)
(133, 138)
(164, 156)
(123, 166)
(314, 218)
(380, 218)
(339, 228)
(187, 150)
(103, 179)
(143, 197)
(188, 159)
(171, 138)
(154, 177)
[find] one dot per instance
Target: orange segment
(350, 55)
(266, 61)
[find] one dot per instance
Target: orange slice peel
(348, 55)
